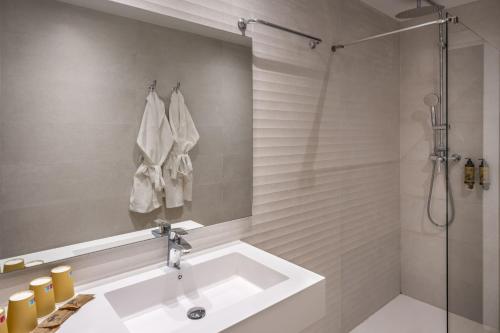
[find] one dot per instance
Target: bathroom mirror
(73, 90)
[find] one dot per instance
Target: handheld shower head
(431, 100)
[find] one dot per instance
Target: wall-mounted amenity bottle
(484, 174)
(469, 174)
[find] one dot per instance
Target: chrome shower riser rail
(452, 19)
(243, 23)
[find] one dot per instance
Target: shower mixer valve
(441, 158)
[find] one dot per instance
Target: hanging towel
(155, 141)
(178, 170)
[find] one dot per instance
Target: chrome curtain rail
(243, 23)
(452, 19)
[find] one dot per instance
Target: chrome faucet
(177, 246)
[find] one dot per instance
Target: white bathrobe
(155, 141)
(178, 170)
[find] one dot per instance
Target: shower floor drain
(196, 313)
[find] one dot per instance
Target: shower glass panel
(473, 238)
(423, 167)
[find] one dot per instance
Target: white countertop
(99, 316)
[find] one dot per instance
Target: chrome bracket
(243, 24)
(335, 48)
(313, 43)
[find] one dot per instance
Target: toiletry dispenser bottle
(469, 174)
(484, 174)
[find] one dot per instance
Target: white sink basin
(241, 288)
(216, 284)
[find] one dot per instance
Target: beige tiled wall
(326, 143)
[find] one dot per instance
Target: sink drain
(196, 313)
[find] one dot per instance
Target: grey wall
(465, 243)
(73, 89)
(482, 18)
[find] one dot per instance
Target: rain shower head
(420, 10)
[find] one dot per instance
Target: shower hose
(451, 216)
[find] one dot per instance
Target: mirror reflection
(108, 123)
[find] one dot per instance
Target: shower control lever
(440, 127)
(452, 158)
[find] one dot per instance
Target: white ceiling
(392, 7)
